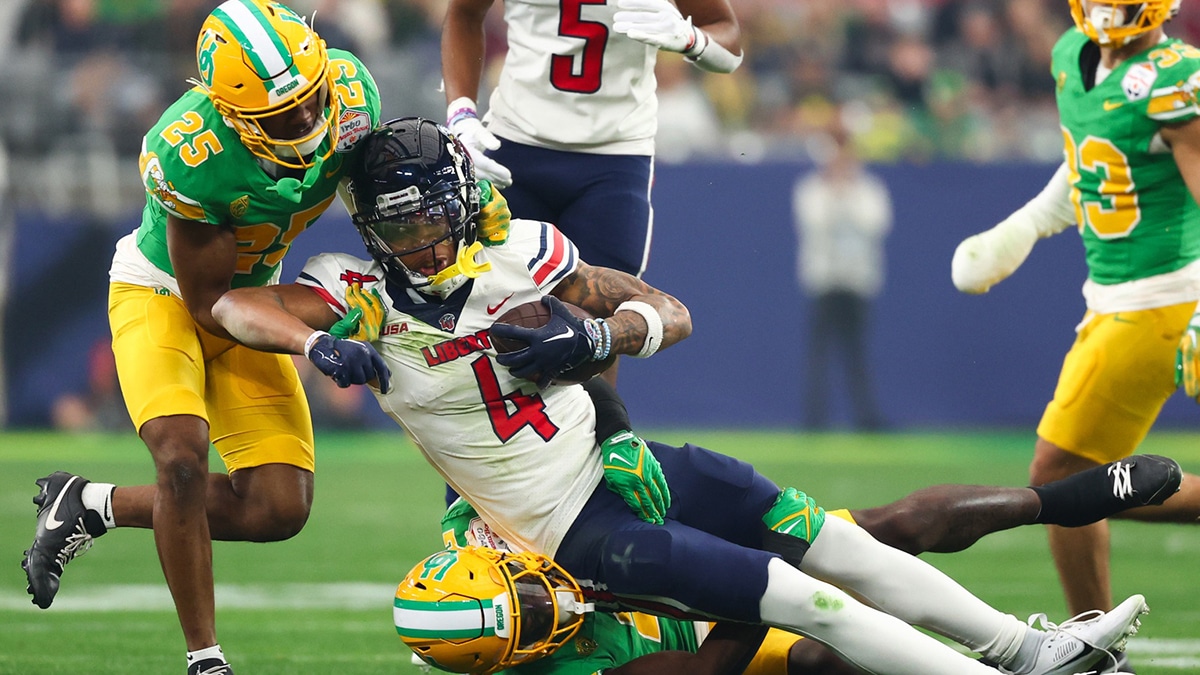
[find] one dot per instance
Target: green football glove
(1187, 359)
(632, 471)
(795, 514)
(494, 216)
(364, 317)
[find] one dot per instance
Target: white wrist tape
(654, 325)
(312, 339)
(708, 54)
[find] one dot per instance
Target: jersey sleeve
(359, 96)
(328, 275)
(1173, 98)
(156, 165)
(549, 254)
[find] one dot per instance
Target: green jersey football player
(1127, 101)
(234, 171)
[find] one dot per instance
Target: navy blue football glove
(565, 341)
(348, 361)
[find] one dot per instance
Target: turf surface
(320, 603)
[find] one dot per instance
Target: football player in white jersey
(571, 123)
(527, 454)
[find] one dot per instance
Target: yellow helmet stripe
(268, 54)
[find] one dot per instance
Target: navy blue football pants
(705, 562)
(600, 202)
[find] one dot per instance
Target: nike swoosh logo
(332, 172)
(52, 522)
(619, 456)
(1113, 105)
(561, 336)
(496, 308)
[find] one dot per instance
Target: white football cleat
(1084, 641)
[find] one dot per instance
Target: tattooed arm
(601, 291)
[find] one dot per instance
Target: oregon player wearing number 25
(1127, 100)
(234, 170)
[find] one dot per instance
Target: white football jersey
(526, 460)
(570, 82)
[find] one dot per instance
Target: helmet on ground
(478, 610)
(1113, 23)
(414, 188)
(258, 59)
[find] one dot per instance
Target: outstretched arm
(985, 259)
(292, 319)
(273, 318)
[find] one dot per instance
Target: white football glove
(465, 125)
(659, 24)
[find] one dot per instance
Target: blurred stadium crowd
(914, 80)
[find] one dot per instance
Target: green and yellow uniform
(606, 641)
(1140, 227)
(195, 167)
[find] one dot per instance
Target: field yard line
(153, 597)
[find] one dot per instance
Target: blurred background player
(1131, 125)
(705, 552)
(842, 213)
(234, 171)
(571, 123)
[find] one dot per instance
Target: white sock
(213, 652)
(910, 589)
(98, 497)
(866, 638)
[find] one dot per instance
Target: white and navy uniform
(577, 116)
(528, 460)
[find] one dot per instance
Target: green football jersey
(195, 166)
(604, 641)
(1135, 214)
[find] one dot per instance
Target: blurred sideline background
(949, 101)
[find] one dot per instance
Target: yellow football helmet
(1113, 23)
(478, 610)
(258, 59)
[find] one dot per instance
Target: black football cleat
(1144, 480)
(65, 529)
(210, 667)
(1106, 490)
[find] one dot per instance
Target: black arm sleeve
(611, 415)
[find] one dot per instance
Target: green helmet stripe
(447, 620)
(268, 54)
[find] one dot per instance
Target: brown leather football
(535, 315)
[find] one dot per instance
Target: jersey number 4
(512, 412)
(565, 73)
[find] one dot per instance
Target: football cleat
(210, 667)
(65, 529)
(1144, 480)
(1085, 641)
(1106, 490)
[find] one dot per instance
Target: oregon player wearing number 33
(1127, 100)
(234, 170)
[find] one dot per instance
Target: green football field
(321, 603)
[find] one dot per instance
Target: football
(535, 315)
